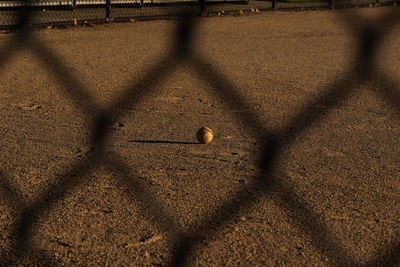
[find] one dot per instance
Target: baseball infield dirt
(155, 196)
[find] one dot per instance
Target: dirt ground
(336, 193)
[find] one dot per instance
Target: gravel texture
(155, 195)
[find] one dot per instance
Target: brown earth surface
(334, 191)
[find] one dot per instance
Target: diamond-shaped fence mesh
(74, 12)
(271, 141)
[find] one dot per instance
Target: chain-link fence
(77, 12)
(272, 142)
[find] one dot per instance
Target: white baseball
(204, 135)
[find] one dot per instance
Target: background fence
(70, 12)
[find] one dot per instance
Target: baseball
(204, 135)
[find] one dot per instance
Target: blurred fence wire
(273, 142)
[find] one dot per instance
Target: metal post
(108, 10)
(201, 5)
(274, 4)
(332, 4)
